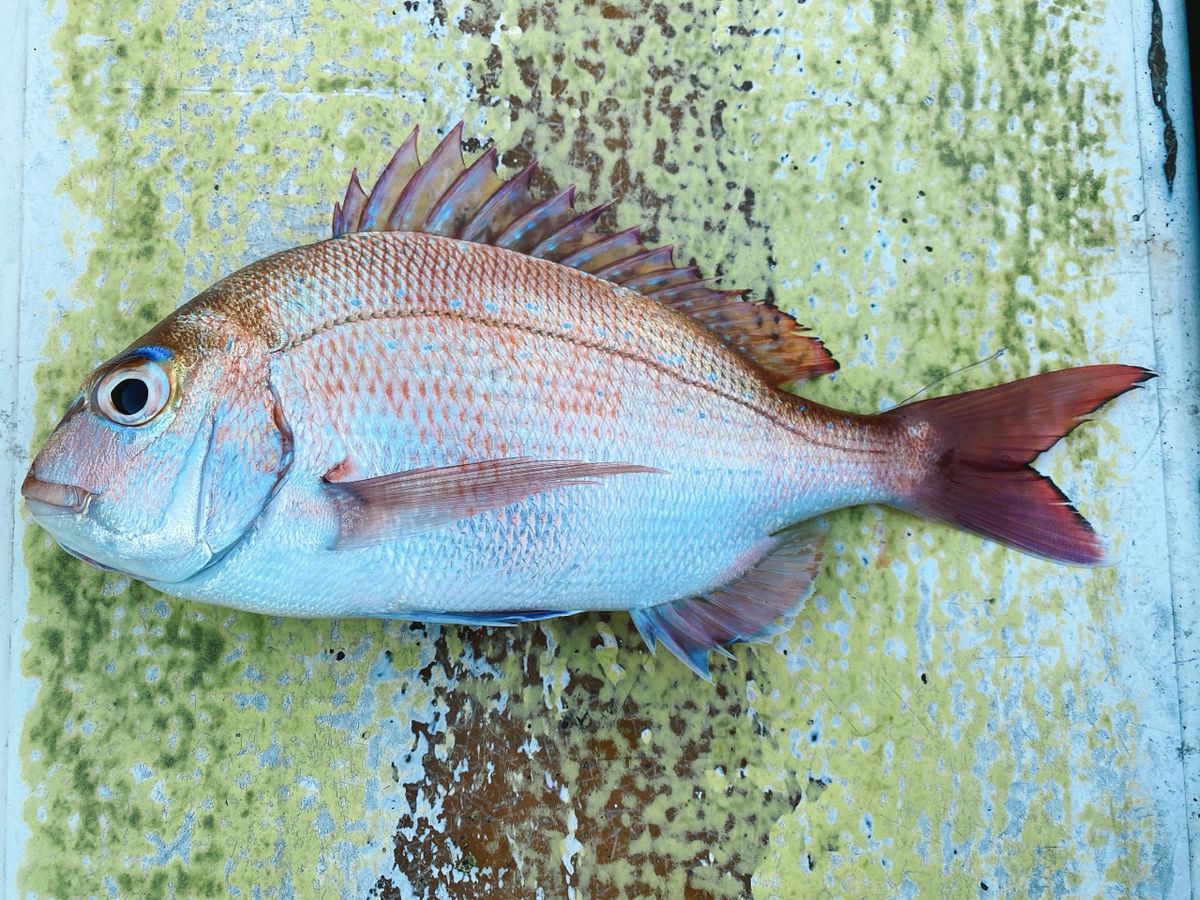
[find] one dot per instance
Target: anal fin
(753, 607)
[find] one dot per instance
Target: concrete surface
(924, 185)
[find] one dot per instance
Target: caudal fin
(978, 447)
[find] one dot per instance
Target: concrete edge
(13, 52)
(1172, 234)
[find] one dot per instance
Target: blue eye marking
(158, 354)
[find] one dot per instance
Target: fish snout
(48, 498)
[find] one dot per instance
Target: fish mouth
(48, 498)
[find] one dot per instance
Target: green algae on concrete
(923, 185)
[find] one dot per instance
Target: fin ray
(470, 190)
(542, 219)
(392, 181)
(428, 183)
(621, 271)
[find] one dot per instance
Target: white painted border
(12, 150)
(31, 267)
(1172, 234)
(31, 227)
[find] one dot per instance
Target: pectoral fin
(753, 607)
(377, 510)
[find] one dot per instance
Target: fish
(472, 404)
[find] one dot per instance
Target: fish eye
(133, 393)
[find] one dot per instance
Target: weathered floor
(925, 185)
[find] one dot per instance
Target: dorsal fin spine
(585, 257)
(353, 203)
(662, 278)
(624, 269)
(422, 191)
(485, 224)
(574, 230)
(542, 219)
(383, 195)
(454, 202)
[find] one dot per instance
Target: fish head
(168, 454)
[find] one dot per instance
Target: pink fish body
(471, 406)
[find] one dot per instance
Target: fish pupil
(130, 395)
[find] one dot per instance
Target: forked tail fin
(977, 448)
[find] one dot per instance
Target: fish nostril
(48, 497)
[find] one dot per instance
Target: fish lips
(60, 509)
(46, 499)
(65, 511)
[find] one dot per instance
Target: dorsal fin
(444, 196)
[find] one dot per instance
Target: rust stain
(629, 762)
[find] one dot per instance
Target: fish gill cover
(923, 184)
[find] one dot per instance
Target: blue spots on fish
(456, 303)
(491, 307)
